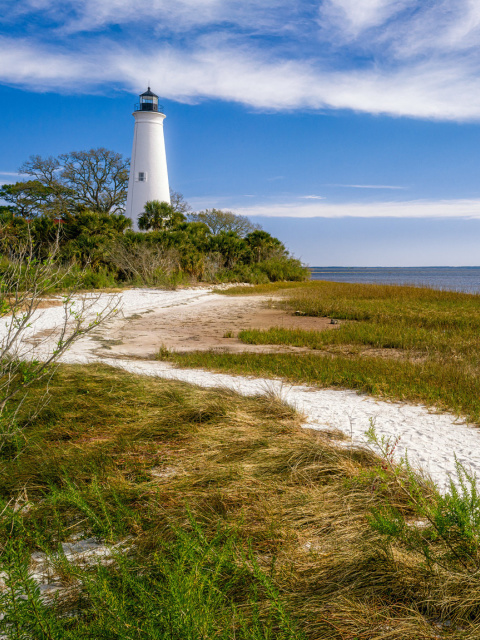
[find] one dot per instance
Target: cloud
(165, 15)
(354, 16)
(42, 67)
(312, 197)
(244, 76)
(366, 186)
(469, 209)
(395, 57)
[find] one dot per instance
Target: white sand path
(432, 440)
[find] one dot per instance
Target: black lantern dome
(148, 102)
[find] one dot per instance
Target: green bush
(101, 278)
(242, 273)
(446, 528)
(277, 269)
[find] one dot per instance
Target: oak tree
(96, 179)
(218, 220)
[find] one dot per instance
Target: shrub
(110, 254)
(446, 529)
(284, 269)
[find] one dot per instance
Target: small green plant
(163, 353)
(24, 282)
(445, 528)
(186, 588)
(228, 334)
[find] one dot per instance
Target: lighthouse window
(142, 176)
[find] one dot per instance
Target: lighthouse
(148, 169)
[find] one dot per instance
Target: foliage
(233, 248)
(32, 198)
(96, 179)
(264, 246)
(186, 591)
(446, 528)
(87, 236)
(174, 250)
(219, 221)
(270, 270)
(79, 197)
(159, 215)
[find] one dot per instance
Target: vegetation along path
(431, 440)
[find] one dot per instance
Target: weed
(446, 529)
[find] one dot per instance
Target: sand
(199, 318)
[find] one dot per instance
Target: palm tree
(159, 215)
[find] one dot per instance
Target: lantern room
(148, 102)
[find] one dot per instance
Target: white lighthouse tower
(148, 169)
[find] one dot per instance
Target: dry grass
(296, 503)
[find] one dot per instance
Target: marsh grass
(398, 342)
(445, 386)
(256, 529)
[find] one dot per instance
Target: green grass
(402, 343)
(264, 530)
(264, 288)
(412, 340)
(448, 387)
(85, 467)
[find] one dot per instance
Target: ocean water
(451, 278)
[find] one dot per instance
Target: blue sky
(348, 128)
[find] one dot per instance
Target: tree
(264, 246)
(96, 179)
(32, 198)
(218, 220)
(87, 236)
(178, 203)
(232, 248)
(159, 215)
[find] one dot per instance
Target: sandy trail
(208, 321)
(199, 318)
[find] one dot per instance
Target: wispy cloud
(366, 186)
(163, 16)
(409, 209)
(352, 17)
(312, 197)
(397, 57)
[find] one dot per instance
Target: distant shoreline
(377, 268)
(466, 279)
